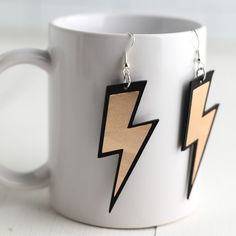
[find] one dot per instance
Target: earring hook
(200, 66)
(198, 45)
(129, 46)
(126, 69)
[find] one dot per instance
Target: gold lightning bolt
(199, 124)
(121, 136)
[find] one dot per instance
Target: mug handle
(39, 177)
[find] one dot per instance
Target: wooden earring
(118, 133)
(198, 121)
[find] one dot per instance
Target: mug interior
(121, 24)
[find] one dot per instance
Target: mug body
(87, 53)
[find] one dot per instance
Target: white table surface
(23, 146)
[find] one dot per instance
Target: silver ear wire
(126, 68)
(200, 70)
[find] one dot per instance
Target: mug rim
(55, 23)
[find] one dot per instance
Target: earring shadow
(182, 130)
(183, 114)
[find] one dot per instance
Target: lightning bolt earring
(199, 122)
(118, 133)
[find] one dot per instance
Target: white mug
(84, 56)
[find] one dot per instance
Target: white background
(23, 116)
(219, 15)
